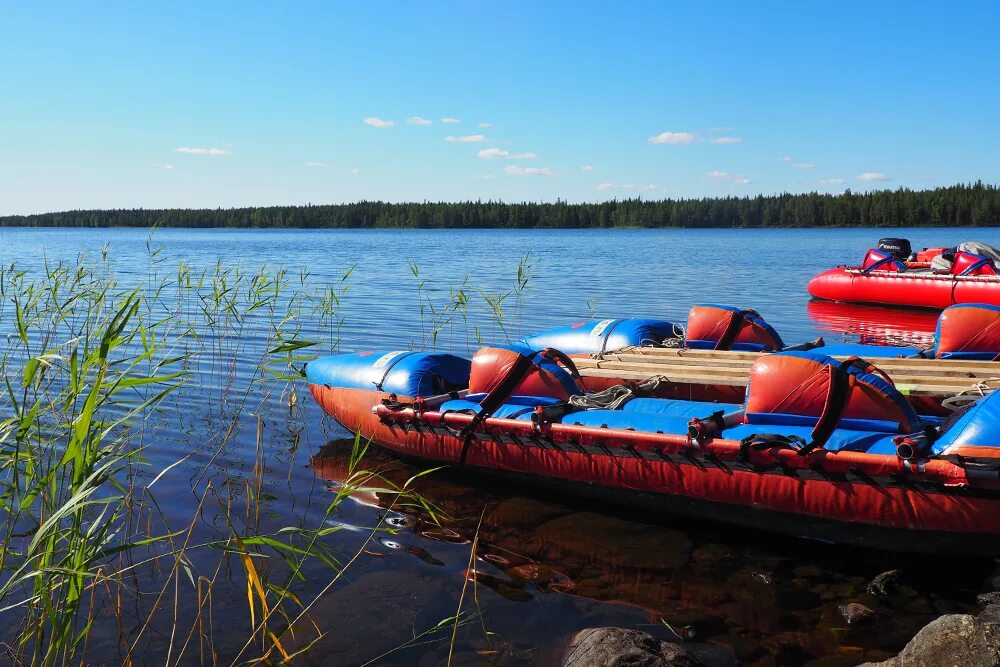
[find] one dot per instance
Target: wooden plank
(882, 362)
(709, 374)
(933, 390)
(989, 370)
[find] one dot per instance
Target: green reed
(90, 370)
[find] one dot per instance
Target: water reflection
(874, 325)
(772, 600)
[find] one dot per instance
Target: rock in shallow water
(619, 647)
(955, 639)
(855, 613)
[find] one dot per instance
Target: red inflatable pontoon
(931, 278)
(914, 288)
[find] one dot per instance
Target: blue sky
(122, 104)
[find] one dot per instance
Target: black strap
(733, 326)
(494, 399)
(762, 441)
(805, 347)
(838, 393)
(607, 334)
(559, 356)
(389, 367)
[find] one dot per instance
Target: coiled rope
(967, 397)
(613, 398)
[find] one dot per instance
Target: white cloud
(831, 181)
(314, 163)
(355, 171)
(484, 125)
(626, 186)
(490, 153)
(738, 179)
(168, 166)
(673, 138)
(803, 165)
(587, 167)
(489, 177)
(378, 122)
(873, 176)
(727, 140)
(188, 150)
(785, 158)
(450, 121)
(514, 170)
(417, 120)
(468, 139)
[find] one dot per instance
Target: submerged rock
(856, 613)
(955, 639)
(888, 584)
(620, 647)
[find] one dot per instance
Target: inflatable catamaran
(726, 423)
(931, 278)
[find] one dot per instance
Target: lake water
(545, 566)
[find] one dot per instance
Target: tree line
(965, 205)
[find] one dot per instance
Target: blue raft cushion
(401, 372)
(516, 407)
(601, 335)
(869, 351)
(886, 389)
(635, 421)
(671, 407)
(842, 439)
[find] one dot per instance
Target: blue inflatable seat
(402, 372)
(872, 442)
(869, 351)
(601, 335)
(516, 407)
(637, 421)
(674, 407)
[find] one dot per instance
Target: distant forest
(973, 205)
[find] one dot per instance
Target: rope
(615, 397)
(967, 397)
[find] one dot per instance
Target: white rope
(968, 396)
(613, 398)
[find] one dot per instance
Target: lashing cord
(970, 395)
(615, 397)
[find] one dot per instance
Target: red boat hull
(919, 290)
(844, 496)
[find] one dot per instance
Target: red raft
(887, 278)
(821, 449)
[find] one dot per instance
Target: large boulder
(619, 647)
(961, 640)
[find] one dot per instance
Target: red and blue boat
(932, 278)
(812, 441)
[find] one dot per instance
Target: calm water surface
(545, 566)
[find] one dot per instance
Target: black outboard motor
(899, 248)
